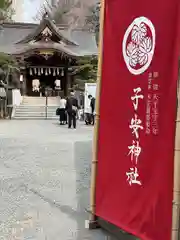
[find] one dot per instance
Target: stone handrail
(16, 97)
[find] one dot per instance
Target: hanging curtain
(42, 71)
(46, 72)
(58, 71)
(54, 72)
(21, 78)
(49, 71)
(62, 72)
(30, 72)
(39, 71)
(35, 72)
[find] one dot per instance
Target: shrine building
(46, 53)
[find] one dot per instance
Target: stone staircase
(35, 108)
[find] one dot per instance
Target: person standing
(71, 108)
(88, 111)
(92, 105)
(62, 111)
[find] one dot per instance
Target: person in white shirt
(88, 112)
(62, 111)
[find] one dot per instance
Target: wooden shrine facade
(46, 53)
(42, 70)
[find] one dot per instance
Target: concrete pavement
(44, 181)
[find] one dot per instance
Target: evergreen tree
(8, 67)
(85, 71)
(6, 10)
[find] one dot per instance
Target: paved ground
(44, 181)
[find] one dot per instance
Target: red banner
(137, 117)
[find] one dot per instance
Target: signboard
(134, 182)
(46, 52)
(90, 89)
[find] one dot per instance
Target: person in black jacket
(92, 105)
(71, 108)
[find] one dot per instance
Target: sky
(30, 9)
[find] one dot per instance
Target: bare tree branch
(70, 12)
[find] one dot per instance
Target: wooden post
(7, 88)
(92, 220)
(67, 82)
(176, 190)
(1, 108)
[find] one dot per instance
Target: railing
(16, 97)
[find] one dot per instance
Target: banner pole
(176, 189)
(92, 221)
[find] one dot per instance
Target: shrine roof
(17, 38)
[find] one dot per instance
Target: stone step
(40, 104)
(40, 112)
(34, 118)
(25, 97)
(36, 112)
(32, 114)
(43, 100)
(37, 107)
(43, 103)
(39, 99)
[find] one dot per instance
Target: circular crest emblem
(139, 45)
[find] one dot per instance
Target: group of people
(68, 111)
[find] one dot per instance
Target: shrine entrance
(47, 70)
